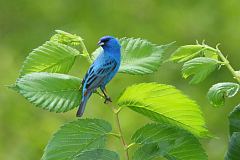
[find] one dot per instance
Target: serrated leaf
(218, 92)
(164, 103)
(187, 52)
(50, 57)
(210, 54)
(51, 91)
(139, 56)
(234, 120)
(66, 38)
(97, 154)
(161, 140)
(199, 68)
(234, 147)
(77, 138)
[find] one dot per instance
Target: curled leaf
(218, 92)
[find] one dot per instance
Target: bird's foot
(107, 100)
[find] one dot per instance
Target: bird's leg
(107, 98)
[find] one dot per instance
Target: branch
(226, 62)
(125, 145)
(85, 52)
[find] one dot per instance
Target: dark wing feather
(94, 77)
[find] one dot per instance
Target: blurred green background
(26, 24)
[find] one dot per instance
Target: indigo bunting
(102, 70)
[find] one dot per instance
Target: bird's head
(108, 42)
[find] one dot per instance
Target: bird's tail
(82, 105)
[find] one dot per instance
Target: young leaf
(234, 120)
(210, 54)
(187, 52)
(51, 91)
(97, 154)
(161, 140)
(234, 147)
(66, 38)
(199, 67)
(164, 103)
(78, 138)
(218, 92)
(139, 56)
(50, 57)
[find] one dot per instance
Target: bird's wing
(96, 74)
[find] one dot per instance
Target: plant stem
(85, 52)
(125, 146)
(230, 68)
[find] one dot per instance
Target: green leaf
(51, 91)
(238, 75)
(200, 68)
(161, 140)
(139, 56)
(97, 154)
(234, 147)
(210, 54)
(66, 38)
(234, 120)
(218, 92)
(164, 103)
(187, 52)
(50, 57)
(76, 139)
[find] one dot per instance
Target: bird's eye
(105, 40)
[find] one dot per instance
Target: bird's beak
(100, 43)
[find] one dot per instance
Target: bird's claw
(107, 100)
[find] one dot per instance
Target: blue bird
(102, 70)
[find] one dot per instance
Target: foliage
(50, 57)
(140, 56)
(234, 147)
(218, 92)
(51, 91)
(178, 120)
(201, 67)
(164, 104)
(78, 139)
(234, 120)
(161, 140)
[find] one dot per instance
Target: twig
(85, 52)
(226, 62)
(116, 112)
